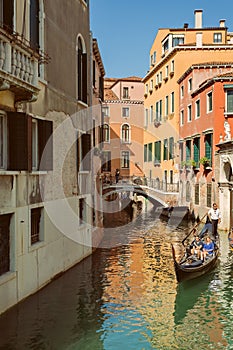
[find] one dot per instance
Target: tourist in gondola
(215, 217)
(208, 248)
(197, 246)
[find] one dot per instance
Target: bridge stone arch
(144, 191)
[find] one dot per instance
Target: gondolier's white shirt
(214, 214)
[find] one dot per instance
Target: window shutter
(79, 63)
(34, 24)
(171, 148)
(208, 147)
(19, 141)
(8, 11)
(86, 147)
(45, 142)
(84, 77)
(196, 149)
(5, 243)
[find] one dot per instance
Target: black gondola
(230, 239)
(190, 266)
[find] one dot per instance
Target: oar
(193, 229)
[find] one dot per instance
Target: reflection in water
(127, 297)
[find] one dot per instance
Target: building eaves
(96, 53)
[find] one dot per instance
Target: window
(3, 141)
(197, 109)
(106, 133)
(165, 149)
(6, 14)
(172, 66)
(157, 148)
(125, 92)
(208, 146)
(125, 133)
(35, 225)
(34, 25)
(189, 113)
(125, 112)
(145, 153)
(105, 111)
(21, 148)
(125, 159)
(158, 110)
(146, 117)
(190, 84)
(81, 72)
(182, 91)
(157, 79)
(188, 150)
(171, 176)
(151, 114)
(34, 144)
(147, 89)
(181, 117)
(181, 146)
(166, 71)
(196, 149)
(151, 85)
(171, 147)
(188, 191)
(150, 152)
(160, 77)
(166, 105)
(229, 101)
(217, 37)
(197, 193)
(172, 102)
(82, 211)
(209, 102)
(177, 41)
(165, 46)
(85, 152)
(5, 243)
(106, 161)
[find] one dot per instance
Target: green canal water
(126, 297)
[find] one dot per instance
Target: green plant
(189, 163)
(205, 161)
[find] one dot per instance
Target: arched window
(6, 14)
(125, 133)
(81, 72)
(106, 133)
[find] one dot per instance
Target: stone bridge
(155, 196)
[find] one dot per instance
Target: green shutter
(145, 153)
(208, 147)
(230, 101)
(196, 149)
(171, 147)
(150, 152)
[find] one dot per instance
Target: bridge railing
(145, 181)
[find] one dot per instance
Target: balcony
(18, 67)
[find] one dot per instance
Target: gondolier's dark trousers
(215, 228)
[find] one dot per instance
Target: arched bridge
(155, 196)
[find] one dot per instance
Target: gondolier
(215, 217)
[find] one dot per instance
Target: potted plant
(205, 162)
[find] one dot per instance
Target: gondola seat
(195, 263)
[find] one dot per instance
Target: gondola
(230, 240)
(189, 266)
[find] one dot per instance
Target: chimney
(186, 25)
(222, 23)
(198, 18)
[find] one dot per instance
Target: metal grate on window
(35, 225)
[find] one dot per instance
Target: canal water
(126, 297)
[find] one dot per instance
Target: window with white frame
(182, 91)
(165, 45)
(146, 117)
(209, 97)
(166, 105)
(125, 112)
(177, 40)
(160, 77)
(182, 117)
(166, 71)
(189, 119)
(190, 84)
(3, 141)
(229, 101)
(151, 114)
(105, 111)
(125, 133)
(125, 159)
(35, 147)
(106, 133)
(172, 66)
(197, 109)
(217, 38)
(151, 85)
(157, 79)
(125, 92)
(158, 110)
(172, 102)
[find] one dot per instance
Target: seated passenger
(197, 246)
(208, 248)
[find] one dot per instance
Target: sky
(125, 29)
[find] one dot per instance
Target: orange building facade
(123, 115)
(172, 53)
